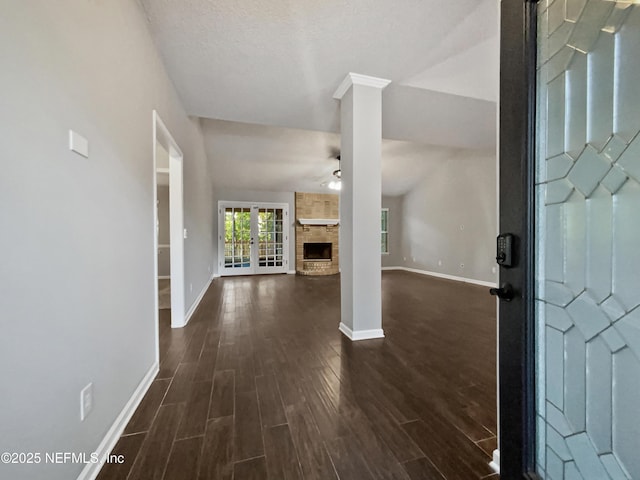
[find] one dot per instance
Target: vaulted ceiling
(260, 157)
(276, 63)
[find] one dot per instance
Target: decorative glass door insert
(588, 234)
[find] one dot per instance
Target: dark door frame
(516, 356)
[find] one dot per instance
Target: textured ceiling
(278, 62)
(452, 75)
(467, 69)
(258, 157)
(261, 74)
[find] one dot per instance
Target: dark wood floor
(261, 385)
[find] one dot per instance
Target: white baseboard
(495, 464)
(291, 272)
(444, 275)
(164, 277)
(91, 470)
(215, 275)
(196, 302)
(360, 334)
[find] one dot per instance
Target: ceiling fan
(336, 184)
(330, 177)
(338, 173)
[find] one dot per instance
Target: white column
(360, 203)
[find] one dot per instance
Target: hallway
(261, 384)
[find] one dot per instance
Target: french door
(253, 239)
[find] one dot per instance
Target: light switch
(78, 144)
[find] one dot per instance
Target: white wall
(460, 191)
(223, 194)
(164, 264)
(77, 283)
(164, 237)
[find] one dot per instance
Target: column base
(360, 334)
(495, 464)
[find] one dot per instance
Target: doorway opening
(169, 224)
(253, 238)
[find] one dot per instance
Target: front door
(570, 170)
(254, 238)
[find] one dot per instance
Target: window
(384, 230)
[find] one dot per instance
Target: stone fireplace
(317, 234)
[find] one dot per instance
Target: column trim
(360, 334)
(495, 462)
(358, 79)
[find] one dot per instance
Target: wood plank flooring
(262, 385)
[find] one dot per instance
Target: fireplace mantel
(318, 221)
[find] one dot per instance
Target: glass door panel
(237, 241)
(587, 238)
(270, 240)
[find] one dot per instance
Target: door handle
(505, 292)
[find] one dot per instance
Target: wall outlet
(191, 288)
(414, 259)
(493, 269)
(439, 263)
(209, 268)
(86, 401)
(404, 259)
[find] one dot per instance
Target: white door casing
(162, 136)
